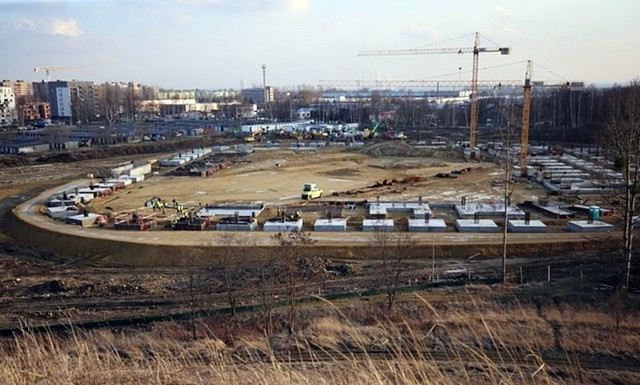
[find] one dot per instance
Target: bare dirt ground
(276, 177)
(389, 171)
(38, 286)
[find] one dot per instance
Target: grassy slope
(436, 338)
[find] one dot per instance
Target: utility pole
(264, 87)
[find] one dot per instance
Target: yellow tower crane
(476, 50)
(526, 111)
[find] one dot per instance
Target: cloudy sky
(223, 43)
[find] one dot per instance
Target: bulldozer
(311, 191)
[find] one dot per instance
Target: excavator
(255, 136)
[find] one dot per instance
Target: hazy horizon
(217, 44)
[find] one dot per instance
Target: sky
(216, 44)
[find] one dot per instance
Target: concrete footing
(239, 226)
(521, 226)
(335, 224)
(82, 220)
(586, 227)
(433, 226)
(479, 226)
(487, 210)
(378, 225)
(278, 225)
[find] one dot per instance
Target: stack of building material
(135, 222)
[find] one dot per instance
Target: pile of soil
(403, 149)
(14, 161)
(123, 150)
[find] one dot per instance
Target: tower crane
(416, 83)
(476, 50)
(526, 111)
(49, 70)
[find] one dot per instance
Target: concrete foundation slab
(586, 227)
(378, 225)
(62, 212)
(554, 211)
(241, 226)
(417, 209)
(487, 209)
(433, 226)
(330, 225)
(520, 226)
(83, 220)
(278, 225)
(473, 226)
(231, 210)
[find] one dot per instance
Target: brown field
(573, 329)
(387, 171)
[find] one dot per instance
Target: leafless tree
(110, 101)
(232, 273)
(393, 251)
(57, 136)
(290, 245)
(267, 284)
(623, 139)
(197, 282)
(508, 134)
(133, 103)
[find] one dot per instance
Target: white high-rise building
(7, 106)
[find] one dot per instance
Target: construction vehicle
(255, 136)
(311, 191)
(400, 135)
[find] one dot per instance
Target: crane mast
(473, 120)
(476, 50)
(526, 111)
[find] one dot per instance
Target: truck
(311, 191)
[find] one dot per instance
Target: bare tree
(110, 103)
(57, 136)
(289, 246)
(267, 283)
(393, 251)
(508, 134)
(132, 104)
(197, 282)
(232, 274)
(623, 135)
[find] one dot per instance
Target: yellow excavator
(255, 136)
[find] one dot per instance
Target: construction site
(118, 242)
(269, 238)
(359, 191)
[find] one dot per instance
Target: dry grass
(481, 342)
